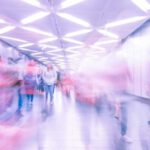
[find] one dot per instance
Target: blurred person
(66, 83)
(29, 81)
(40, 83)
(116, 78)
(8, 89)
(49, 78)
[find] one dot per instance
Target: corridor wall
(136, 51)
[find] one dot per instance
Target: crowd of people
(103, 90)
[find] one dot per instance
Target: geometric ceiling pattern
(65, 32)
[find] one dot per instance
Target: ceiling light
(14, 39)
(6, 29)
(68, 3)
(33, 2)
(47, 40)
(53, 51)
(54, 55)
(142, 4)
(77, 33)
(109, 34)
(74, 19)
(2, 21)
(38, 53)
(75, 47)
(37, 31)
(125, 21)
(34, 17)
(47, 46)
(105, 42)
(26, 45)
(25, 49)
(72, 41)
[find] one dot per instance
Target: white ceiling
(74, 32)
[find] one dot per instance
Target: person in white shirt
(49, 78)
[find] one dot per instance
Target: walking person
(49, 77)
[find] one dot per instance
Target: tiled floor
(67, 125)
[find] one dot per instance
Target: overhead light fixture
(69, 3)
(47, 40)
(105, 42)
(47, 46)
(72, 41)
(109, 34)
(74, 47)
(125, 21)
(54, 55)
(35, 54)
(34, 17)
(25, 49)
(74, 19)
(6, 29)
(26, 45)
(11, 38)
(142, 4)
(2, 21)
(33, 2)
(76, 33)
(37, 31)
(53, 51)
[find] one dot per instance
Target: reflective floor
(69, 125)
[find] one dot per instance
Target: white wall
(136, 50)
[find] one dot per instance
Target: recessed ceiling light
(37, 31)
(125, 21)
(25, 49)
(54, 55)
(34, 17)
(47, 46)
(12, 38)
(109, 34)
(33, 2)
(74, 47)
(69, 3)
(72, 41)
(55, 58)
(26, 45)
(76, 33)
(6, 29)
(2, 21)
(142, 4)
(53, 51)
(47, 40)
(35, 54)
(74, 19)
